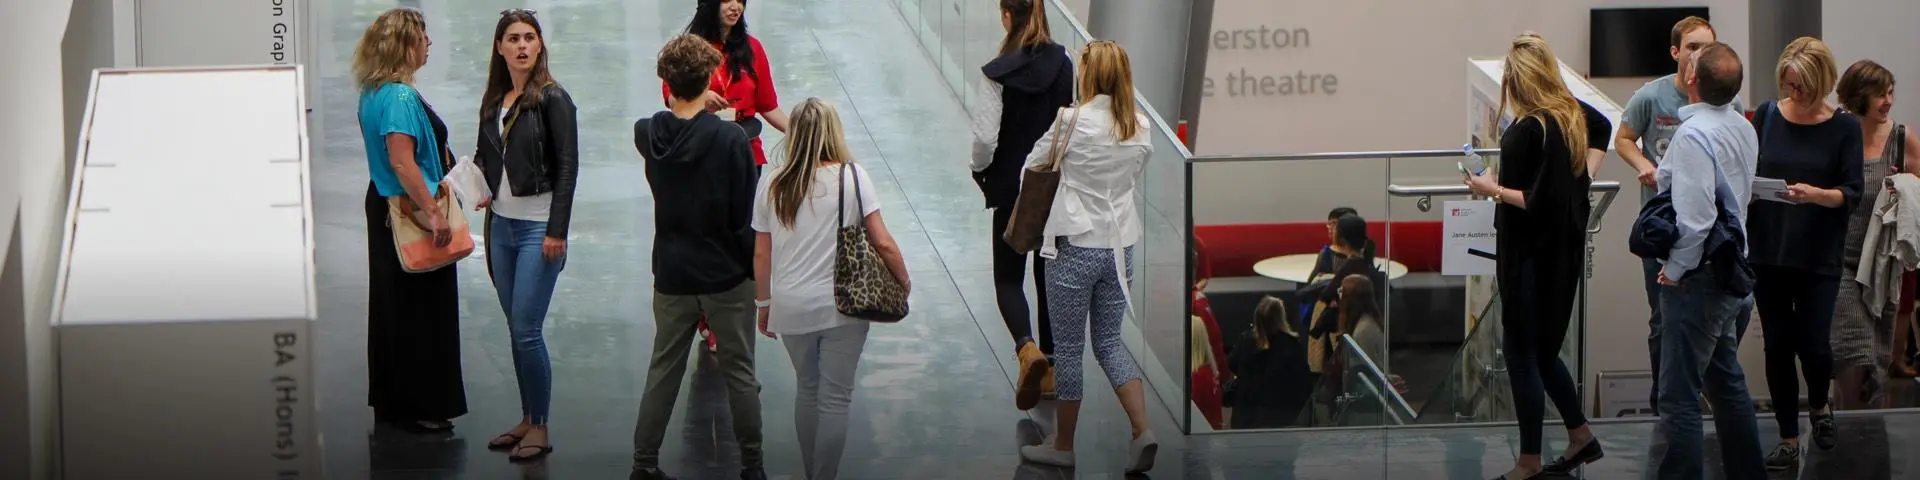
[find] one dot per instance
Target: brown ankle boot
(1034, 371)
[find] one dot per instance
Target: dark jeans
(1651, 268)
(1009, 285)
(1700, 343)
(1796, 320)
(1535, 317)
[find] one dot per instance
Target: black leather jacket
(540, 155)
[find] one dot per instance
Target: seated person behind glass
(1335, 252)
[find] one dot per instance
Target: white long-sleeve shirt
(1708, 135)
(1099, 175)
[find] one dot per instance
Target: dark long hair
(706, 24)
(1351, 229)
(500, 82)
(1028, 28)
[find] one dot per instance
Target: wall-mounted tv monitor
(1633, 42)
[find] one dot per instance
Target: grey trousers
(730, 317)
(825, 365)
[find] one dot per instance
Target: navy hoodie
(1035, 84)
(702, 176)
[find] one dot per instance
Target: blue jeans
(1700, 342)
(1651, 268)
(524, 278)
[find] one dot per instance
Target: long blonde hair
(1201, 347)
(1106, 70)
(814, 139)
(1530, 87)
(385, 53)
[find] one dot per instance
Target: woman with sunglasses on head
(1025, 88)
(1088, 246)
(413, 319)
(529, 153)
(1797, 243)
(1541, 214)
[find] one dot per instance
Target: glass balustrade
(960, 36)
(1219, 252)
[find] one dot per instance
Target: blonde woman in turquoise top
(413, 319)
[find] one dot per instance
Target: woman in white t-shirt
(797, 216)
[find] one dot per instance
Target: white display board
(200, 33)
(1468, 247)
(186, 291)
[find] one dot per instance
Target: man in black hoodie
(702, 174)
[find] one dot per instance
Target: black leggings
(1009, 286)
(1796, 315)
(1534, 313)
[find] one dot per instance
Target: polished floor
(933, 399)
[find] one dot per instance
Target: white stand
(183, 320)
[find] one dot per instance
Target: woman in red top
(742, 89)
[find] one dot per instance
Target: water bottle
(1473, 164)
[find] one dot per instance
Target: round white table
(1295, 268)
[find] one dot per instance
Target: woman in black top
(1796, 247)
(1026, 87)
(1270, 363)
(529, 152)
(1541, 192)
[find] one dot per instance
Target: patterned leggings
(1083, 288)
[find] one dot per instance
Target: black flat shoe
(1589, 453)
(540, 451)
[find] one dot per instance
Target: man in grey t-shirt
(1652, 117)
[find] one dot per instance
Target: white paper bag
(468, 183)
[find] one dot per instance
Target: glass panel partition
(1275, 268)
(961, 35)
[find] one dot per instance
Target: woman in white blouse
(1105, 145)
(797, 216)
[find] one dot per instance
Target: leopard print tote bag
(863, 288)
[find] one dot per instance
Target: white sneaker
(1143, 450)
(1044, 454)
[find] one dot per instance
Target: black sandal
(514, 441)
(541, 451)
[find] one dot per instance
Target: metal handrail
(1294, 157)
(1607, 188)
(1153, 116)
(1388, 394)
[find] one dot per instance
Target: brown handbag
(1027, 225)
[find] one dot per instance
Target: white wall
(32, 125)
(1885, 31)
(1396, 63)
